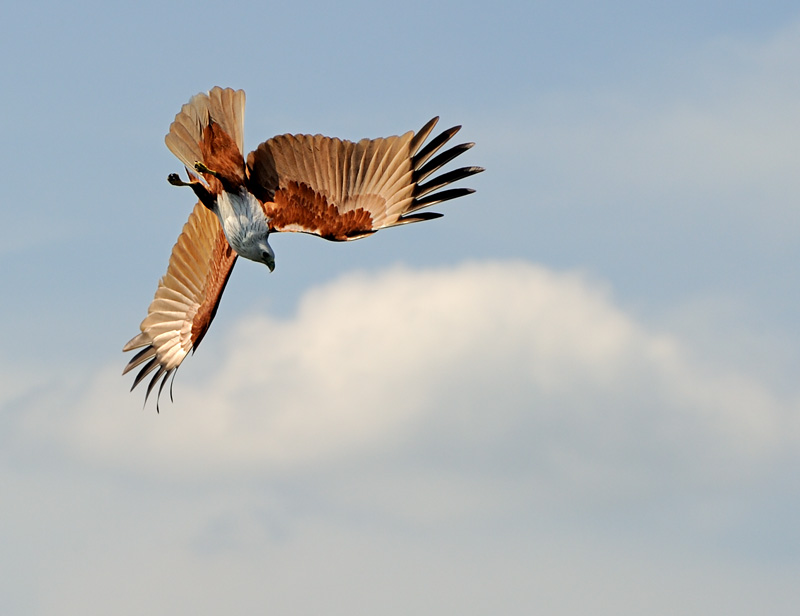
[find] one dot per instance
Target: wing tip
(416, 217)
(139, 340)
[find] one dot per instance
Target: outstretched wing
(341, 190)
(186, 299)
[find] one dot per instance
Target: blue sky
(575, 393)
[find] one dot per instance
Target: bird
(332, 188)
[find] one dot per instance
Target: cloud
(447, 434)
(506, 368)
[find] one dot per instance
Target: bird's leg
(205, 197)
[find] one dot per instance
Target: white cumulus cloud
(401, 417)
(507, 363)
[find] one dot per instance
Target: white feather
(245, 225)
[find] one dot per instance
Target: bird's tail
(206, 129)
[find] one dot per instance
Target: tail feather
(224, 107)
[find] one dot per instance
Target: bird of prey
(336, 189)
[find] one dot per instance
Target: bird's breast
(242, 219)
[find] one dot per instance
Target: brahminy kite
(336, 189)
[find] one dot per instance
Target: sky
(574, 393)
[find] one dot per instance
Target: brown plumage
(336, 189)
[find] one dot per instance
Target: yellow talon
(198, 166)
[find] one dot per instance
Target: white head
(267, 256)
(256, 248)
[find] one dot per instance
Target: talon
(175, 180)
(198, 166)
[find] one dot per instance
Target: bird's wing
(186, 299)
(210, 129)
(341, 190)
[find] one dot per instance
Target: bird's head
(266, 255)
